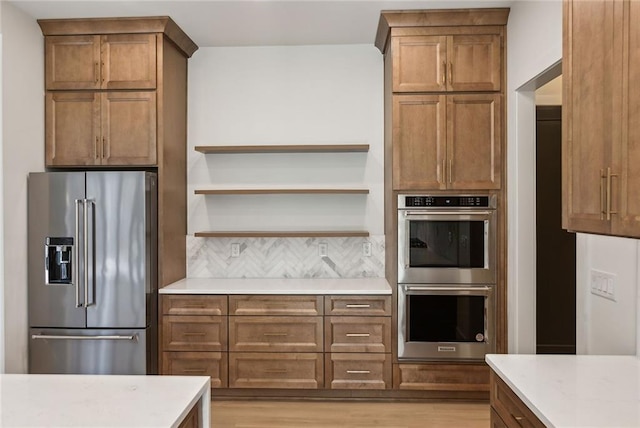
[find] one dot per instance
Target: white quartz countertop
(575, 390)
(32, 400)
(278, 286)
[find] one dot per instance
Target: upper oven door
(446, 246)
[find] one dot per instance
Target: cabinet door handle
(444, 171)
(358, 334)
(102, 72)
(193, 370)
(609, 177)
(444, 73)
(194, 334)
(275, 334)
(358, 371)
(358, 305)
(96, 72)
(279, 371)
(450, 169)
(104, 143)
(193, 306)
(450, 73)
(603, 179)
(97, 149)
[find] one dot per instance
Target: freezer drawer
(82, 351)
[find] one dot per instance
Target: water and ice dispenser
(58, 260)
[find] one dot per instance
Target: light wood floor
(341, 414)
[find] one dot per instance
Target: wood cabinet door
(129, 61)
(72, 123)
(626, 188)
(276, 370)
(474, 130)
(419, 63)
(72, 62)
(129, 128)
(592, 76)
(419, 142)
(474, 62)
(275, 334)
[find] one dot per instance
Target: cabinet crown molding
(436, 18)
(126, 25)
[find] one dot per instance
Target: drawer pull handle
(193, 306)
(358, 371)
(194, 370)
(276, 371)
(358, 334)
(358, 305)
(194, 334)
(276, 334)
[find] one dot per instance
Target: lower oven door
(445, 322)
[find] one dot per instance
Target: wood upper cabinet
(447, 142)
(436, 63)
(114, 61)
(93, 128)
(601, 129)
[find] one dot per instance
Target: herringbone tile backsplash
(284, 258)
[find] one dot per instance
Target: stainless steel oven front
(444, 322)
(447, 239)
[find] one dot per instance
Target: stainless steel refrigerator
(92, 257)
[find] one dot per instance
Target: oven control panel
(445, 201)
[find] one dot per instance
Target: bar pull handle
(444, 170)
(278, 371)
(191, 334)
(358, 305)
(194, 371)
(450, 169)
(609, 180)
(104, 143)
(86, 203)
(193, 306)
(358, 334)
(96, 148)
(358, 371)
(603, 196)
(444, 73)
(102, 72)
(76, 269)
(74, 337)
(450, 73)
(275, 334)
(96, 71)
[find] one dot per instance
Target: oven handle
(425, 212)
(439, 288)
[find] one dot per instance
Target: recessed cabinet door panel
(72, 128)
(419, 63)
(418, 142)
(473, 131)
(627, 220)
(129, 61)
(474, 63)
(129, 128)
(72, 62)
(591, 113)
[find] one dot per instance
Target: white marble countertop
(30, 400)
(575, 390)
(378, 286)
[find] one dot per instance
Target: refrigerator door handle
(85, 204)
(76, 259)
(72, 337)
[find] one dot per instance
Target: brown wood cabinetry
(447, 142)
(436, 63)
(358, 342)
(441, 377)
(601, 132)
(194, 336)
(116, 96)
(507, 410)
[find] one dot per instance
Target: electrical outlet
(235, 250)
(323, 249)
(366, 249)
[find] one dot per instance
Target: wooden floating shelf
(297, 148)
(279, 191)
(284, 234)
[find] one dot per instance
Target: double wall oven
(446, 276)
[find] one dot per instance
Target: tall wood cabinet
(601, 129)
(116, 96)
(445, 80)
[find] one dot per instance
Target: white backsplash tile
(284, 258)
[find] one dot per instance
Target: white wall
(2, 368)
(22, 151)
(603, 327)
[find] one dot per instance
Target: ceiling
(251, 22)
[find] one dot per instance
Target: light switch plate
(603, 284)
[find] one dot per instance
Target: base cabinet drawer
(275, 334)
(441, 377)
(508, 409)
(212, 364)
(194, 333)
(358, 334)
(275, 370)
(358, 371)
(358, 305)
(190, 304)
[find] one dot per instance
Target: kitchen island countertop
(375, 286)
(44, 400)
(575, 390)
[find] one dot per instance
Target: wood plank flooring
(347, 414)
